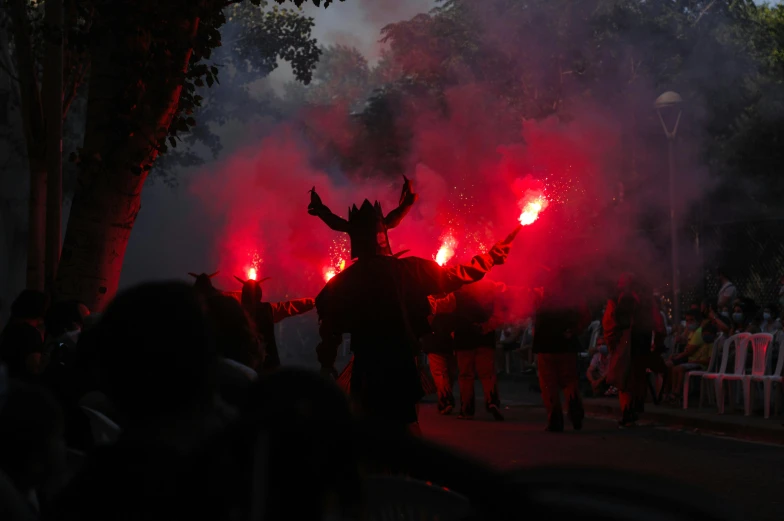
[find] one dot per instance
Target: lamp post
(669, 104)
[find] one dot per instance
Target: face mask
(708, 338)
(766, 316)
(725, 314)
(692, 327)
(737, 317)
(602, 350)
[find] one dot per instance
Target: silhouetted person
(631, 322)
(440, 347)
(382, 301)
(158, 365)
(560, 319)
(157, 357)
(475, 307)
(238, 344)
(266, 314)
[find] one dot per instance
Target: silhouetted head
(156, 350)
(251, 291)
(203, 284)
(235, 333)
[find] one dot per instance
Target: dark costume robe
(266, 314)
(383, 303)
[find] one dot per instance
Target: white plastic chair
(771, 377)
(715, 377)
(718, 347)
(759, 343)
(401, 499)
(104, 430)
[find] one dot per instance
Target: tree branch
(704, 11)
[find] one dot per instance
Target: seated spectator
(597, 370)
(771, 322)
(158, 364)
(21, 342)
(695, 357)
(32, 450)
(238, 344)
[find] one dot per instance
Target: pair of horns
(242, 281)
(197, 276)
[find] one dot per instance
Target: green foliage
(548, 57)
(254, 38)
(341, 77)
(156, 36)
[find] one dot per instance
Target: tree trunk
(33, 122)
(53, 92)
(108, 194)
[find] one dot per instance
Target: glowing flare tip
(446, 251)
(531, 210)
(252, 274)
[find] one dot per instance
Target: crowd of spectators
(154, 411)
(689, 343)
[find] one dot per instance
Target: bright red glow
(252, 274)
(531, 206)
(447, 249)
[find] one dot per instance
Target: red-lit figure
(561, 317)
(439, 347)
(382, 301)
(630, 321)
(266, 314)
(479, 310)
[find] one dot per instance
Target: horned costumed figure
(381, 300)
(203, 284)
(266, 314)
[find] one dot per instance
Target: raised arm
(407, 200)
(291, 308)
(320, 210)
(447, 280)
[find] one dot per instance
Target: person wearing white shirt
(728, 292)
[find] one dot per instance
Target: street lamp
(669, 104)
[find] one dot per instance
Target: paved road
(751, 473)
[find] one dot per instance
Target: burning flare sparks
(531, 206)
(252, 274)
(447, 249)
(339, 252)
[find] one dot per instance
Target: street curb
(773, 434)
(736, 430)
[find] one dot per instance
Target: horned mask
(367, 226)
(251, 291)
(203, 283)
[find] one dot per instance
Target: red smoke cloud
(470, 182)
